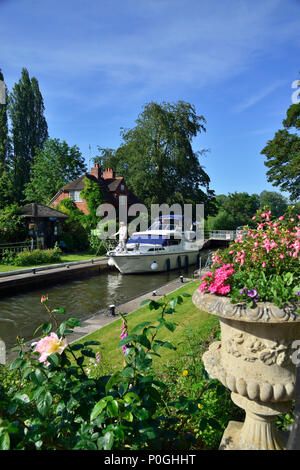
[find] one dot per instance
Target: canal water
(23, 313)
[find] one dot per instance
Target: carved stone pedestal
(255, 359)
(258, 432)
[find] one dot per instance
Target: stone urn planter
(256, 360)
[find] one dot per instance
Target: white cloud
(143, 47)
(258, 96)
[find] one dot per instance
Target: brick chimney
(108, 174)
(96, 171)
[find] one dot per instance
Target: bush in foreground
(49, 401)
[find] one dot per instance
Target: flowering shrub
(54, 403)
(262, 264)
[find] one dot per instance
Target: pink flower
(49, 345)
(98, 357)
(254, 217)
(281, 217)
(263, 264)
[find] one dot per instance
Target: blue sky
(99, 61)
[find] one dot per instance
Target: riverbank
(40, 276)
(100, 319)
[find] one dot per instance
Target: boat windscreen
(147, 239)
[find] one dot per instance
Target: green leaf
(98, 409)
(4, 441)
(22, 397)
(62, 328)
(112, 381)
(128, 372)
(163, 344)
(130, 396)
(16, 363)
(113, 408)
(106, 442)
(170, 325)
(88, 352)
(47, 328)
(53, 359)
(72, 322)
(37, 377)
(154, 305)
(60, 311)
(128, 416)
(91, 343)
(76, 347)
(140, 326)
(44, 403)
(144, 341)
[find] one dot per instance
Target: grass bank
(187, 317)
(65, 258)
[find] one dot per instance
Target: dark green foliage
(94, 198)
(156, 157)
(36, 257)
(55, 165)
(29, 128)
(274, 201)
(235, 210)
(283, 155)
(75, 236)
(4, 137)
(12, 226)
(58, 406)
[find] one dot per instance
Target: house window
(75, 196)
(122, 187)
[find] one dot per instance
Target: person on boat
(122, 232)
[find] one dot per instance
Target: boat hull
(135, 263)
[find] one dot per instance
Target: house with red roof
(113, 187)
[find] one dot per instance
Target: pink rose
(49, 345)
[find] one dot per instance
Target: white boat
(164, 246)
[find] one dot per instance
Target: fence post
(2, 352)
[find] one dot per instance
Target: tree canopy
(53, 166)
(29, 128)
(157, 159)
(283, 155)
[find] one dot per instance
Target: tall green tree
(29, 128)
(6, 183)
(241, 207)
(4, 136)
(107, 158)
(283, 155)
(53, 166)
(276, 202)
(157, 158)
